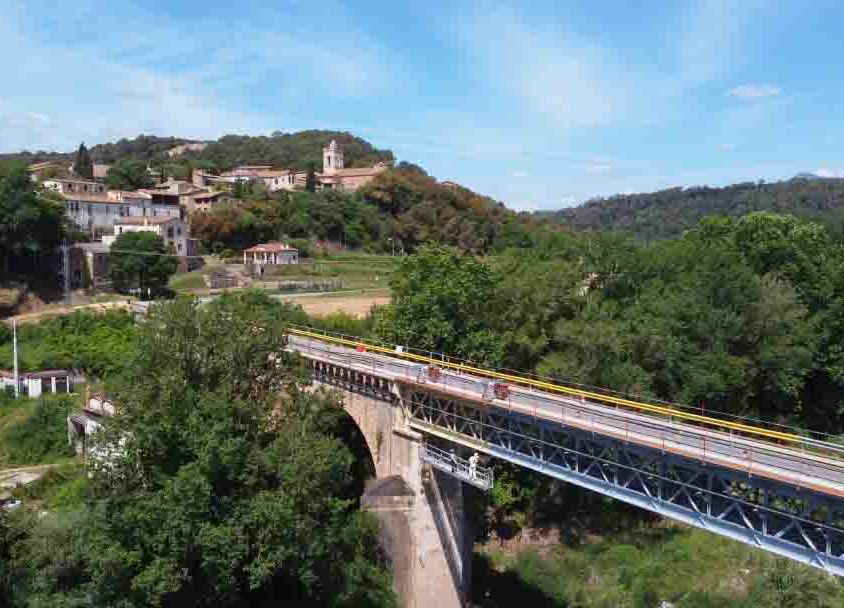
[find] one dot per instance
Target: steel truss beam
(794, 522)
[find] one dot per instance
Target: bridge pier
(423, 525)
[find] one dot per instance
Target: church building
(336, 176)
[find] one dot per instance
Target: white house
(273, 179)
(99, 211)
(35, 384)
(74, 186)
(172, 230)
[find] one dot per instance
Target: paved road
(778, 462)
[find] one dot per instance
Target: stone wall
(421, 512)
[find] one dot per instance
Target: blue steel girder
(791, 521)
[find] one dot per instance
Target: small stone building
(270, 254)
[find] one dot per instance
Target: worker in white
(473, 465)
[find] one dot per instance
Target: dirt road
(356, 305)
(58, 311)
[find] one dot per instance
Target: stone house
(269, 254)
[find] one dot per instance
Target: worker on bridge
(473, 465)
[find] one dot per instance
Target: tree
(128, 175)
(32, 223)
(310, 178)
(228, 485)
(82, 164)
(444, 301)
(140, 260)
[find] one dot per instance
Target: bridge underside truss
(790, 521)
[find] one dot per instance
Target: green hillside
(667, 213)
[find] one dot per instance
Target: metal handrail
(685, 416)
(437, 358)
(463, 468)
(615, 419)
(653, 475)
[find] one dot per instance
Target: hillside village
(166, 208)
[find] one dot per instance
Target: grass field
(353, 270)
(349, 270)
(662, 565)
(187, 280)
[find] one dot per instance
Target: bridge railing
(463, 468)
(734, 427)
(688, 441)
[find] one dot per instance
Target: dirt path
(58, 311)
(318, 304)
(356, 305)
(38, 468)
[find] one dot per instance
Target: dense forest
(289, 150)
(668, 213)
(285, 150)
(400, 209)
(224, 485)
(745, 316)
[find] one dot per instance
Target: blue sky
(541, 105)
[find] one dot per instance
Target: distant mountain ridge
(667, 213)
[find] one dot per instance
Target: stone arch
(374, 419)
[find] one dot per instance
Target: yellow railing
(566, 390)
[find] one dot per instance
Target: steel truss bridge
(770, 489)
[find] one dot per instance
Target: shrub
(42, 435)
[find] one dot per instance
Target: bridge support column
(423, 525)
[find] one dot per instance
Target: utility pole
(15, 356)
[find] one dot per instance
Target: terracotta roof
(256, 172)
(360, 172)
(270, 248)
(143, 221)
(124, 194)
(159, 194)
(89, 197)
(208, 195)
(73, 180)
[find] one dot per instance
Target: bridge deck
(781, 463)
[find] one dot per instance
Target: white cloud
(143, 86)
(754, 91)
(518, 173)
(558, 78)
(598, 166)
(829, 173)
(25, 119)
